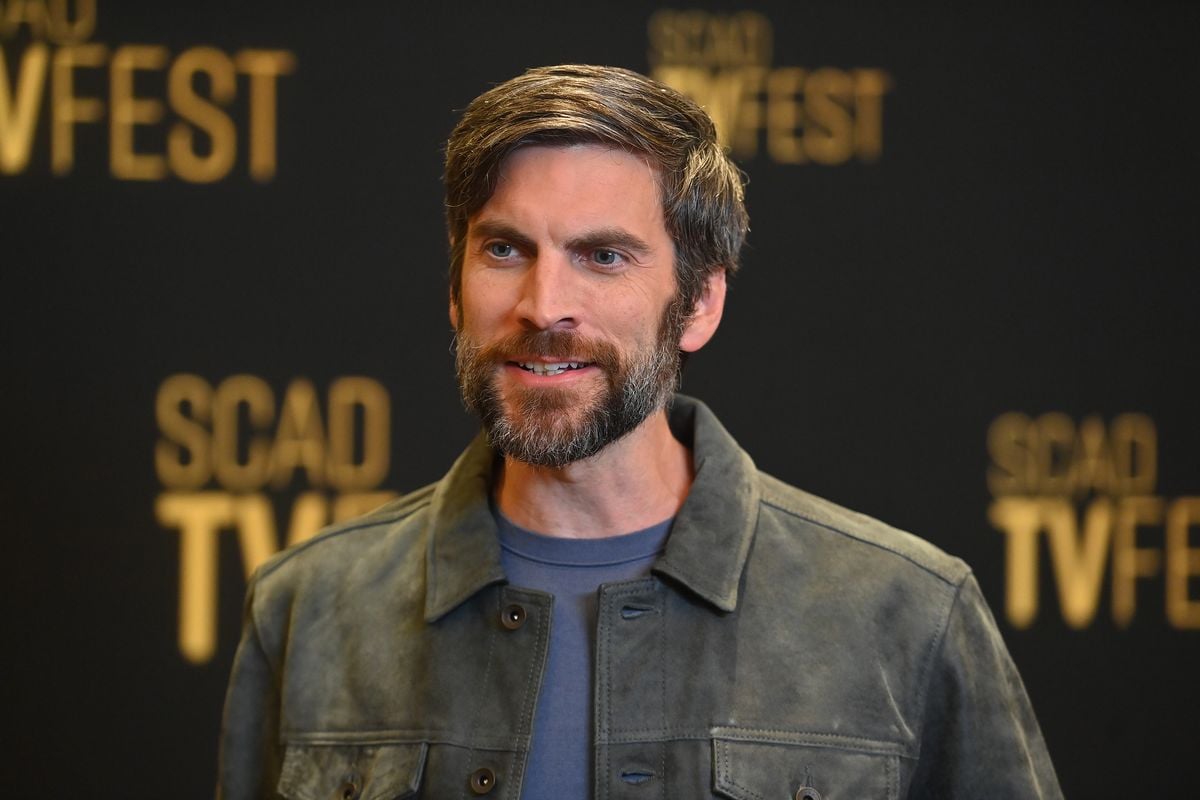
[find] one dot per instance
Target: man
(604, 597)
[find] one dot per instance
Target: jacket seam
(726, 773)
(937, 645)
(255, 631)
(414, 737)
(353, 527)
(750, 735)
(794, 736)
(850, 535)
(487, 674)
(533, 681)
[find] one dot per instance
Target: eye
(606, 258)
(500, 249)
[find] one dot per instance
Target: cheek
(482, 302)
(629, 308)
(638, 315)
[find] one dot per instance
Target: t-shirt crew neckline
(561, 552)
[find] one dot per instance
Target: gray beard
(541, 429)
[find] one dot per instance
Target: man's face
(568, 324)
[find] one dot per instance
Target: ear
(453, 312)
(706, 315)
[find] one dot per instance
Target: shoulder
(831, 533)
(350, 554)
(880, 594)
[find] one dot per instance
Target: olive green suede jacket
(782, 648)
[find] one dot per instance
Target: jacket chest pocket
(753, 770)
(351, 772)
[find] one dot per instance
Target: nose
(549, 294)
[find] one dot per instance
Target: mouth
(550, 368)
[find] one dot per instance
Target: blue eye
(606, 258)
(500, 249)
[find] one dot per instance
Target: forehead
(584, 180)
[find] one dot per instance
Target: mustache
(548, 344)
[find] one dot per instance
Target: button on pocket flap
(754, 770)
(351, 772)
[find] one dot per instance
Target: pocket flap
(751, 770)
(351, 772)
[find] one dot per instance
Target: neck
(635, 482)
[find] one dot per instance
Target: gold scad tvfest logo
(800, 115)
(162, 113)
(1087, 490)
(229, 455)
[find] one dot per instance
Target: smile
(542, 368)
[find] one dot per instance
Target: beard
(553, 427)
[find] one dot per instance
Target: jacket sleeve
(250, 743)
(980, 737)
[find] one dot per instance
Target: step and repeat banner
(969, 307)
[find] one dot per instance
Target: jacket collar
(706, 550)
(711, 536)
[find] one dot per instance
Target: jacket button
(350, 788)
(513, 616)
(483, 780)
(807, 793)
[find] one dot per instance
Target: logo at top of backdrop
(1089, 488)
(798, 115)
(147, 111)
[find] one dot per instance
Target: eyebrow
(610, 237)
(588, 240)
(494, 229)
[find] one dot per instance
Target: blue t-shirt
(560, 759)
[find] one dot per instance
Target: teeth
(541, 368)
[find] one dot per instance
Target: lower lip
(528, 378)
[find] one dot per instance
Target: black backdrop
(1022, 242)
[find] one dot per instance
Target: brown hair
(702, 190)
